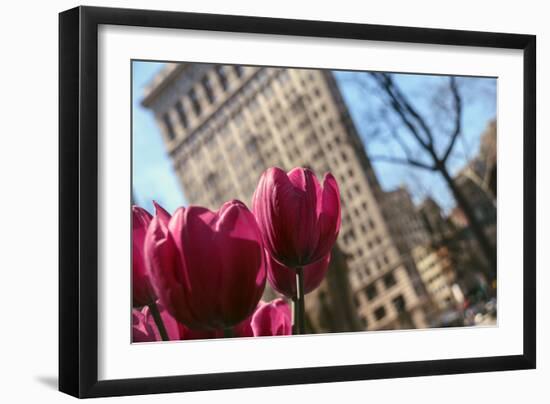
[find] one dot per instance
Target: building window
(380, 313)
(208, 89)
(169, 126)
(253, 105)
(267, 92)
(378, 265)
(371, 291)
(181, 114)
(220, 72)
(238, 118)
(252, 146)
(389, 280)
(399, 304)
(283, 76)
(310, 139)
(238, 70)
(195, 102)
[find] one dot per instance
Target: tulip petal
(189, 334)
(141, 329)
(167, 271)
(161, 213)
(142, 290)
(271, 212)
(144, 328)
(203, 260)
(283, 279)
(304, 227)
(271, 319)
(241, 254)
(329, 217)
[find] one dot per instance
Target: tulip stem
(299, 302)
(158, 321)
(228, 332)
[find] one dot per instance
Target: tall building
(223, 125)
(482, 169)
(404, 221)
(438, 226)
(477, 181)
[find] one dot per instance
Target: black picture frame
(78, 196)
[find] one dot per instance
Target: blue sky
(154, 178)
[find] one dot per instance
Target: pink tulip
(283, 279)
(272, 318)
(142, 291)
(189, 334)
(144, 328)
(208, 268)
(298, 219)
(269, 319)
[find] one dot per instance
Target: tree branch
(395, 104)
(402, 144)
(403, 161)
(408, 107)
(458, 115)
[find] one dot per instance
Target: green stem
(299, 311)
(228, 333)
(158, 321)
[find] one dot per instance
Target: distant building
(436, 270)
(224, 125)
(404, 222)
(477, 182)
(458, 218)
(484, 166)
(483, 205)
(474, 182)
(436, 224)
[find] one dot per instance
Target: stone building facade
(436, 270)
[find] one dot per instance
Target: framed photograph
(251, 201)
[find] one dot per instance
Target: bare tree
(424, 148)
